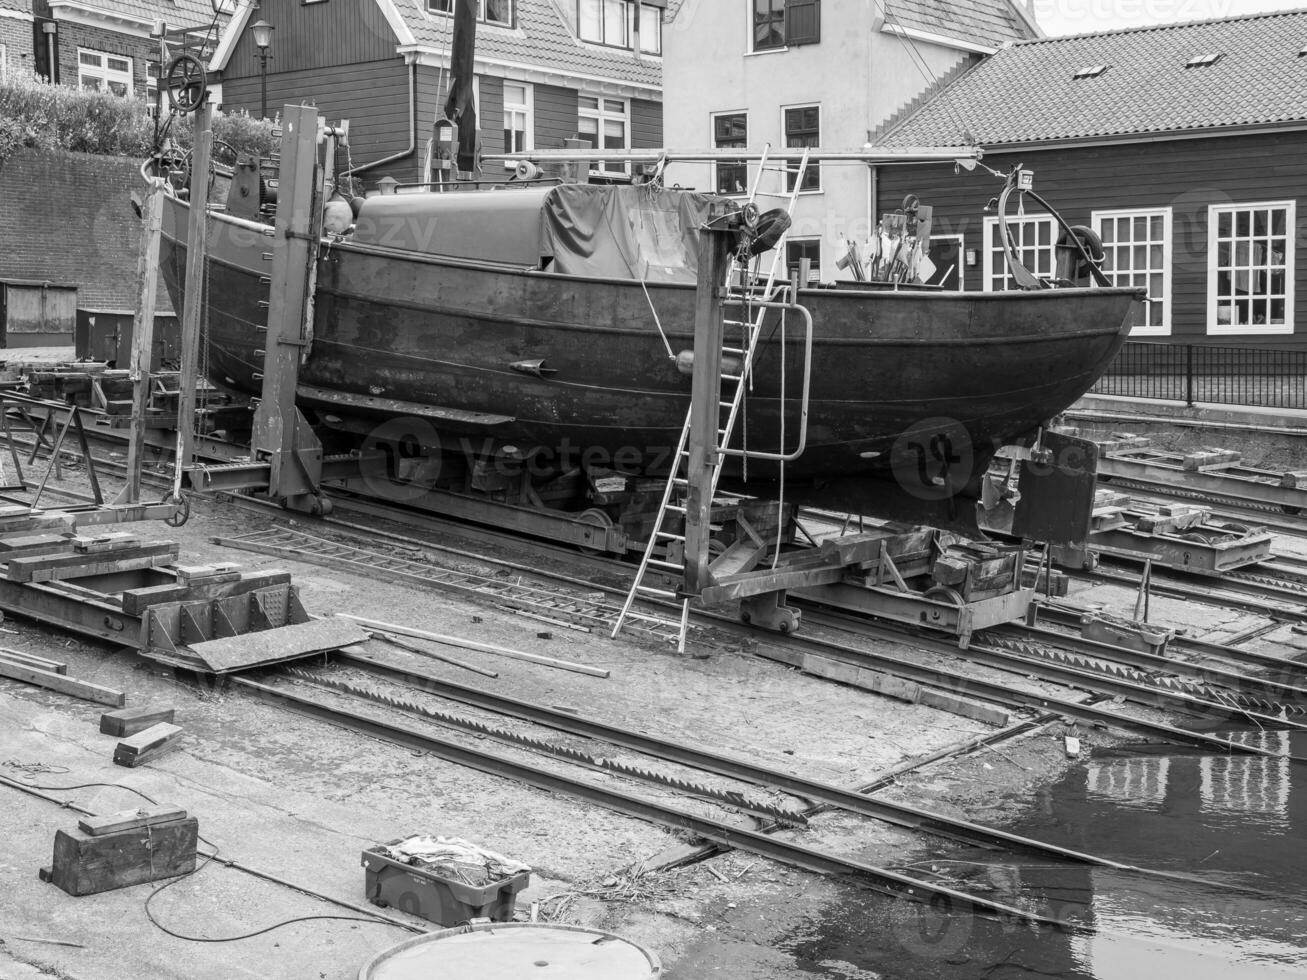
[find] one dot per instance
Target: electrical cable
(38, 791)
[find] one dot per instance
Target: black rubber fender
(772, 225)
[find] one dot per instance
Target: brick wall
(67, 217)
(16, 36)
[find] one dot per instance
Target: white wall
(857, 74)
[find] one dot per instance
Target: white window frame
(962, 256)
(526, 109)
(4, 60)
(814, 164)
(105, 73)
(814, 274)
(602, 115)
(445, 8)
(1213, 257)
(991, 252)
(1096, 221)
(712, 141)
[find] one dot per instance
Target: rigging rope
(922, 66)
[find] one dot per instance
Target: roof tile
(1027, 93)
(992, 22)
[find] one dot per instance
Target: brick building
(95, 44)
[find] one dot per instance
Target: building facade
(817, 73)
(1184, 147)
(546, 71)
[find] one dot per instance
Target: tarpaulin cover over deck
(613, 232)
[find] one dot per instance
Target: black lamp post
(262, 32)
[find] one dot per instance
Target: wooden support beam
(61, 683)
(48, 568)
(86, 865)
(137, 601)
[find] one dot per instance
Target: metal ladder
(669, 511)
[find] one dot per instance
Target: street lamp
(262, 32)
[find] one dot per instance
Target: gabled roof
(1028, 92)
(22, 6)
(545, 39)
(985, 23)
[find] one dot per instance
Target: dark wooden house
(1184, 146)
(545, 71)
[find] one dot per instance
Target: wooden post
(705, 404)
(147, 280)
(279, 434)
(197, 248)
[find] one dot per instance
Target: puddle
(1224, 820)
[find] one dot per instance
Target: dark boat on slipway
(540, 318)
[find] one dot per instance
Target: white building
(825, 73)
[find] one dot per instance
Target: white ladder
(670, 511)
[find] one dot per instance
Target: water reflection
(1227, 820)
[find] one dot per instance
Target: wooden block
(963, 708)
(1294, 480)
(149, 744)
(32, 660)
(192, 574)
(94, 544)
(86, 865)
(129, 721)
(1210, 457)
(45, 874)
(20, 542)
(61, 683)
(146, 816)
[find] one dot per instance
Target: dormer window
(622, 24)
(498, 12)
(1203, 60)
(1093, 71)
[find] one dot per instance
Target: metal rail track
(828, 795)
(888, 882)
(1232, 593)
(294, 547)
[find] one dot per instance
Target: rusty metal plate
(1057, 493)
(275, 645)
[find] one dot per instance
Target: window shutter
(802, 21)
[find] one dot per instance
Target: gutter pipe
(412, 127)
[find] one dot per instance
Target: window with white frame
(619, 23)
(731, 131)
(1250, 261)
(498, 12)
(604, 122)
(518, 124)
(796, 250)
(152, 69)
(1034, 239)
(101, 72)
(1137, 252)
(4, 60)
(803, 128)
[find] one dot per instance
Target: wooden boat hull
(906, 383)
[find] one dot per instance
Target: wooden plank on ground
(129, 721)
(112, 823)
(61, 683)
(455, 641)
(146, 745)
(32, 660)
(47, 568)
(276, 645)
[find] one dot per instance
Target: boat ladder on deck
(668, 539)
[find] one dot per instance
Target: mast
(460, 107)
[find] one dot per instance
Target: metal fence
(1216, 375)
